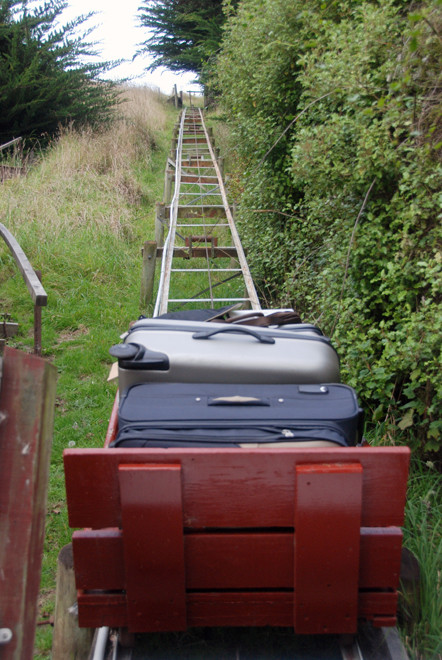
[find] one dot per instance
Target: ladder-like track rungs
(210, 300)
(201, 252)
(203, 211)
(196, 198)
(205, 224)
(204, 270)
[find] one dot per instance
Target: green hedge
(351, 236)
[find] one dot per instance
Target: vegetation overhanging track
(202, 241)
(194, 163)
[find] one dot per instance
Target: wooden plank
(194, 140)
(327, 523)
(234, 488)
(8, 329)
(225, 609)
(197, 161)
(201, 253)
(202, 167)
(233, 561)
(198, 178)
(377, 604)
(99, 560)
(201, 211)
(153, 547)
(380, 559)
(27, 401)
(102, 609)
(240, 609)
(268, 608)
(239, 561)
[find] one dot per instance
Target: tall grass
(420, 594)
(421, 603)
(81, 215)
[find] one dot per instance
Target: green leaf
(407, 420)
(378, 413)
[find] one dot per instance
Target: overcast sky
(118, 34)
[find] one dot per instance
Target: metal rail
(202, 244)
(35, 288)
(369, 644)
(10, 143)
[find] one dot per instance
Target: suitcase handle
(135, 356)
(242, 330)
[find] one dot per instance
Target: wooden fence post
(169, 178)
(69, 640)
(148, 272)
(160, 220)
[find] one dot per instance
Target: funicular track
(203, 261)
(203, 265)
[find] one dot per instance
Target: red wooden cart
(306, 538)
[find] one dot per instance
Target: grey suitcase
(162, 350)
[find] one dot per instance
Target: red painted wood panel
(327, 524)
(380, 559)
(153, 547)
(231, 488)
(374, 604)
(102, 609)
(99, 559)
(27, 401)
(224, 609)
(239, 561)
(235, 561)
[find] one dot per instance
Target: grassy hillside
(81, 215)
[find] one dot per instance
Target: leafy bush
(336, 116)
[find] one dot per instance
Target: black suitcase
(235, 415)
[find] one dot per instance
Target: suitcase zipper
(186, 434)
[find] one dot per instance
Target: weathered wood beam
(8, 329)
(27, 401)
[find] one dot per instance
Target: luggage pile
(236, 379)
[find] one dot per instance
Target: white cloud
(118, 35)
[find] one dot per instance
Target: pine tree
(186, 33)
(44, 80)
